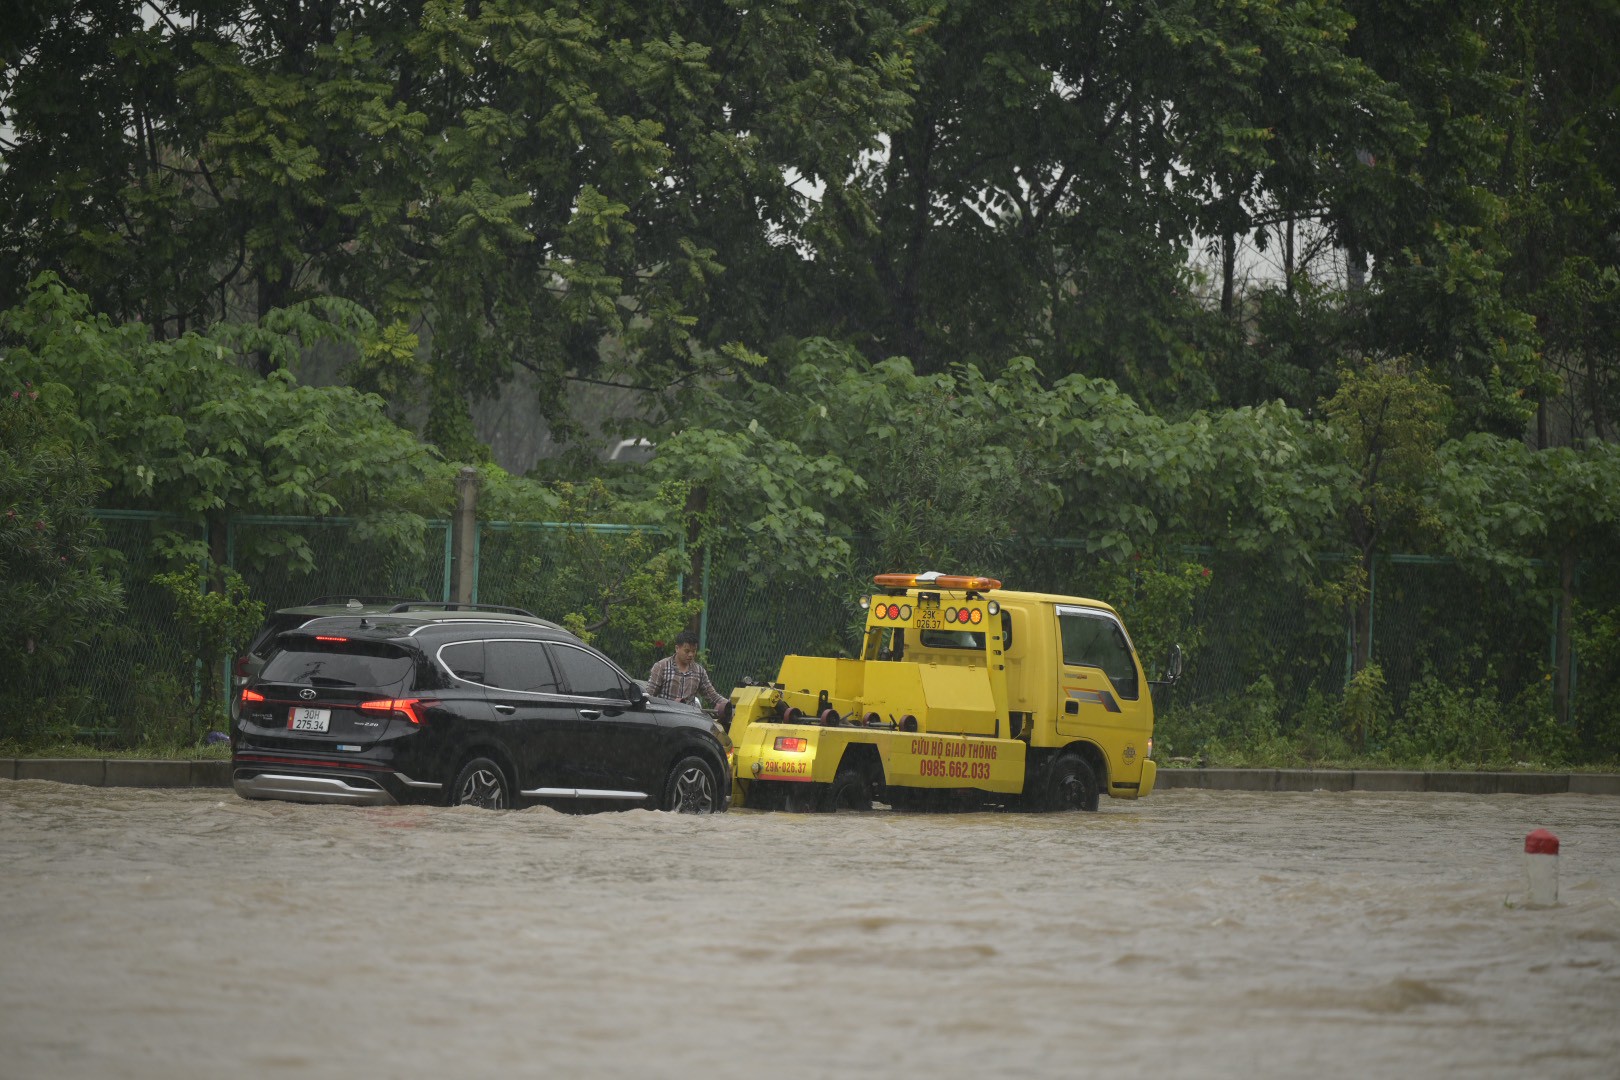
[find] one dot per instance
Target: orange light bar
(792, 744)
(407, 706)
(938, 581)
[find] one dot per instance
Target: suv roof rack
(440, 605)
(364, 598)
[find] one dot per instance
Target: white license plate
(309, 719)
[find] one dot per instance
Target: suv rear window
(278, 622)
(308, 661)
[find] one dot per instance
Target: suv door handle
(591, 714)
(507, 709)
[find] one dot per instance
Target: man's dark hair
(686, 637)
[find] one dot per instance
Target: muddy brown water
(149, 933)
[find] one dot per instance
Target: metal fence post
(466, 535)
(1372, 602)
(703, 613)
(449, 559)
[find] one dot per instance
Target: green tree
(1387, 420)
(53, 586)
(1434, 239)
(216, 622)
(1058, 165)
(184, 426)
(518, 184)
(1505, 505)
(954, 466)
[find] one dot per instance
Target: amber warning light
(938, 581)
(792, 744)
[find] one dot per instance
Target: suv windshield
(309, 661)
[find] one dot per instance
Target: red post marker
(1541, 869)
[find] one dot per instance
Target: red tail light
(792, 745)
(251, 695)
(241, 667)
(405, 706)
(328, 637)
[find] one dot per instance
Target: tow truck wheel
(692, 787)
(1072, 785)
(848, 791)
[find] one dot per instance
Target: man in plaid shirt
(681, 676)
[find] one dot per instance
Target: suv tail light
(251, 695)
(241, 667)
(405, 706)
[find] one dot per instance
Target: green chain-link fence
(1430, 617)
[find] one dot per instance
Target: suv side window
(520, 665)
(465, 660)
(1095, 640)
(588, 675)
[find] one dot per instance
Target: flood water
(148, 933)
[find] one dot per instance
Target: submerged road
(186, 933)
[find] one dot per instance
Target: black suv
(468, 707)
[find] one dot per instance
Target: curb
(121, 772)
(1467, 783)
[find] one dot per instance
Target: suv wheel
(692, 787)
(481, 783)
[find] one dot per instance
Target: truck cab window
(966, 639)
(1095, 640)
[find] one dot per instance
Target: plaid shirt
(668, 681)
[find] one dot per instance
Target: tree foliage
(930, 279)
(53, 585)
(216, 624)
(184, 426)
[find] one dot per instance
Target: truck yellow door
(1102, 695)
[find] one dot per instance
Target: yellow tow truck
(964, 696)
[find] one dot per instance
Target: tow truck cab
(963, 693)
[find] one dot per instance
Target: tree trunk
(272, 295)
(697, 502)
(1363, 631)
(1288, 257)
(1228, 270)
(218, 550)
(1356, 270)
(1563, 649)
(1361, 613)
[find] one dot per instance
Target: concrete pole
(463, 531)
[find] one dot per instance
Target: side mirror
(637, 695)
(1172, 664)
